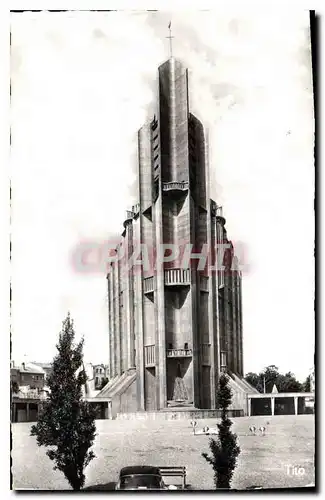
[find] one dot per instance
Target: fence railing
(175, 186)
(136, 208)
(177, 277)
(129, 214)
(30, 395)
(149, 355)
(148, 284)
(179, 353)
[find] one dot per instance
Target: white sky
(83, 84)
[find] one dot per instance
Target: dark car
(141, 477)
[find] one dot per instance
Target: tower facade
(175, 315)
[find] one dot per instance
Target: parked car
(142, 477)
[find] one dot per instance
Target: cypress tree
(66, 422)
(224, 450)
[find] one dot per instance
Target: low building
(100, 375)
(28, 375)
(28, 381)
(277, 403)
(46, 367)
(25, 406)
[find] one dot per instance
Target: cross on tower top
(170, 37)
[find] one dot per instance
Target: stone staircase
(123, 383)
(121, 390)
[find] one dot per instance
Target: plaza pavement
(264, 460)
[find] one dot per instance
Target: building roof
(45, 366)
(30, 368)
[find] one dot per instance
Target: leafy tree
(255, 381)
(67, 423)
(270, 376)
(289, 383)
(307, 385)
(224, 449)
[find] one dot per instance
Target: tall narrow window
(154, 124)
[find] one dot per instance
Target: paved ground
(264, 460)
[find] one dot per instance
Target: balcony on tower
(150, 356)
(175, 186)
(179, 353)
(149, 285)
(128, 217)
(217, 212)
(136, 209)
(130, 214)
(177, 277)
(219, 216)
(223, 361)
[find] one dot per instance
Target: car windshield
(140, 481)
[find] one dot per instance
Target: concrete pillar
(145, 166)
(197, 356)
(210, 240)
(172, 120)
(238, 333)
(110, 328)
(240, 319)
(118, 317)
(106, 412)
(132, 339)
(296, 404)
(214, 331)
(174, 115)
(249, 406)
(138, 312)
(113, 321)
(234, 319)
(129, 360)
(272, 406)
(27, 412)
(160, 310)
(228, 321)
(145, 235)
